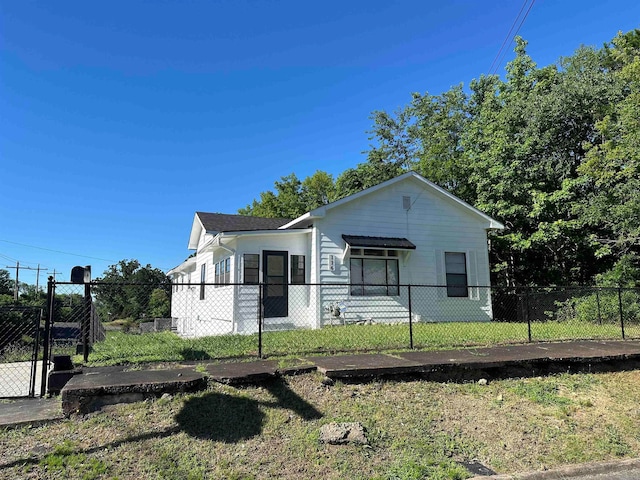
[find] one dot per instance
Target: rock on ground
(342, 433)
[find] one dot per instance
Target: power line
(6, 257)
(509, 38)
(58, 251)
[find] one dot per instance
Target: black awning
(393, 243)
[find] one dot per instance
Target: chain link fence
(75, 325)
(20, 342)
(200, 321)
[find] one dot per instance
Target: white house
(349, 261)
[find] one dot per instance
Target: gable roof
(307, 218)
(221, 222)
(215, 223)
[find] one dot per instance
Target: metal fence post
(621, 311)
(526, 312)
(410, 319)
(260, 287)
(86, 320)
(47, 335)
(598, 302)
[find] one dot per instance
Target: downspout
(218, 243)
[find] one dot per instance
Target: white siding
(434, 224)
(300, 311)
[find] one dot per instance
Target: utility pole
(54, 274)
(17, 285)
(38, 278)
(15, 288)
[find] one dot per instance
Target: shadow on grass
(230, 419)
(220, 417)
(211, 416)
(192, 354)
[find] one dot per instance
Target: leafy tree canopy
(293, 197)
(6, 284)
(552, 152)
(126, 290)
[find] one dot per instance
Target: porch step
(276, 327)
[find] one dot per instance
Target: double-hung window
(251, 273)
(374, 272)
(456, 269)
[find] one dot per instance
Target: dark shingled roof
(222, 222)
(378, 242)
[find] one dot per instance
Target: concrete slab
(92, 390)
(475, 358)
(364, 365)
(242, 372)
(29, 411)
(543, 355)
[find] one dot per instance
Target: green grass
(415, 430)
(120, 347)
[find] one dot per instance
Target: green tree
(159, 303)
(6, 284)
(524, 146)
(125, 290)
(365, 175)
(293, 197)
(610, 210)
(513, 149)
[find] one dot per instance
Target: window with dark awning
(394, 243)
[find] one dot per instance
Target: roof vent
(406, 202)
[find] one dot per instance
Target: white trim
(322, 211)
(183, 267)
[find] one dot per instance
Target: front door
(275, 297)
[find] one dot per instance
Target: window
(374, 272)
(251, 275)
(456, 268)
(203, 278)
(222, 273)
(297, 270)
(227, 271)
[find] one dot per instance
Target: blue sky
(119, 120)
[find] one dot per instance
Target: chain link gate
(20, 342)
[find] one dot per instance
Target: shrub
(602, 306)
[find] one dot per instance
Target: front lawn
(416, 430)
(122, 348)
